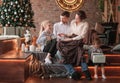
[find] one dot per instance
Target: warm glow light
(70, 5)
(12, 60)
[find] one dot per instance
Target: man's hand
(61, 35)
(67, 39)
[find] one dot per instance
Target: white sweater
(81, 29)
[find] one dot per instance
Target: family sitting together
(65, 42)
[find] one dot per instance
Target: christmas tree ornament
(4, 3)
(26, 25)
(15, 12)
(21, 19)
(10, 25)
(26, 16)
(15, 20)
(9, 10)
(11, 3)
(22, 10)
(6, 13)
(1, 13)
(26, 5)
(18, 6)
(20, 24)
(14, 6)
(19, 14)
(8, 16)
(6, 25)
(24, 19)
(5, 10)
(12, 18)
(2, 17)
(16, 2)
(28, 20)
(8, 22)
(7, 6)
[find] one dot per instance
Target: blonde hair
(43, 25)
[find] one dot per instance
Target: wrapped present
(1, 31)
(9, 30)
(98, 58)
(14, 31)
(20, 31)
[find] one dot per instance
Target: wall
(118, 20)
(48, 9)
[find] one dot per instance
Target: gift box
(14, 31)
(98, 58)
(9, 30)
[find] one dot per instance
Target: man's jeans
(69, 68)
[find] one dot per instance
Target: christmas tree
(15, 13)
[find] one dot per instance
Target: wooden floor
(67, 80)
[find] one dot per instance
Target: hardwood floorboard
(67, 80)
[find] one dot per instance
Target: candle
(37, 49)
(23, 47)
(26, 48)
(4, 30)
(32, 48)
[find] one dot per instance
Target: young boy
(95, 48)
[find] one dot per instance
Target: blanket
(71, 51)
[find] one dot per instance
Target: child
(46, 40)
(95, 48)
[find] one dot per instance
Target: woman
(71, 47)
(46, 40)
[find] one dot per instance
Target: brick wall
(48, 9)
(118, 20)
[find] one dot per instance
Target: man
(59, 30)
(63, 26)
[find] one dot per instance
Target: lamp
(70, 5)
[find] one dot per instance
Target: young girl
(46, 40)
(95, 48)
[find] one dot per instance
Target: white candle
(32, 48)
(23, 47)
(37, 49)
(4, 30)
(26, 49)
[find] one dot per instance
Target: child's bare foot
(48, 59)
(103, 76)
(96, 76)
